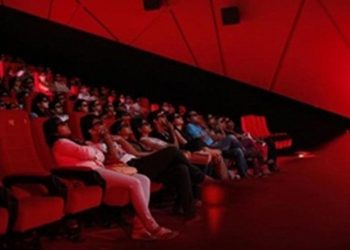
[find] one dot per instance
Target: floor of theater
(305, 206)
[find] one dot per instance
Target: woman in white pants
(68, 152)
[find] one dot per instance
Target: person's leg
(220, 167)
(272, 154)
(238, 155)
(155, 164)
(229, 142)
(179, 177)
(137, 194)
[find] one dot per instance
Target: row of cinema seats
(257, 126)
(42, 193)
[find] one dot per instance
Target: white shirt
(67, 153)
(122, 155)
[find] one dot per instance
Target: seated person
(40, 106)
(95, 107)
(262, 145)
(230, 146)
(80, 105)
(165, 132)
(167, 166)
(197, 145)
(56, 109)
(67, 152)
(216, 128)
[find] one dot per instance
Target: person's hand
(104, 132)
(187, 154)
(169, 125)
(117, 138)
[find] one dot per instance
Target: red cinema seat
(113, 196)
(257, 127)
(39, 195)
(74, 124)
(4, 213)
(2, 69)
(84, 186)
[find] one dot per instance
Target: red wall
(298, 48)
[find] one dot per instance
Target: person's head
(17, 84)
(109, 110)
(182, 110)
(54, 129)
(95, 107)
(84, 90)
(58, 78)
(61, 98)
(176, 119)
(91, 127)
(211, 121)
(144, 128)
(56, 108)
(124, 116)
(193, 117)
(95, 92)
(165, 107)
(158, 118)
(81, 105)
(40, 103)
(230, 124)
(121, 129)
(104, 91)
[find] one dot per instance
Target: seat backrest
(74, 124)
(42, 148)
(2, 69)
(248, 125)
(17, 151)
(154, 107)
(262, 123)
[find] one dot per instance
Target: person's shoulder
(63, 141)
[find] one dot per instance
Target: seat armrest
(52, 183)
(89, 176)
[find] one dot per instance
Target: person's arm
(153, 144)
(128, 147)
(180, 138)
(111, 155)
(172, 135)
(69, 148)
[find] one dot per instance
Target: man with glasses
(230, 146)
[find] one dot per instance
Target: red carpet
(305, 206)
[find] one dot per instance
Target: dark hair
(173, 116)
(77, 104)
(116, 127)
(52, 105)
(92, 104)
(36, 100)
(86, 123)
(50, 129)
